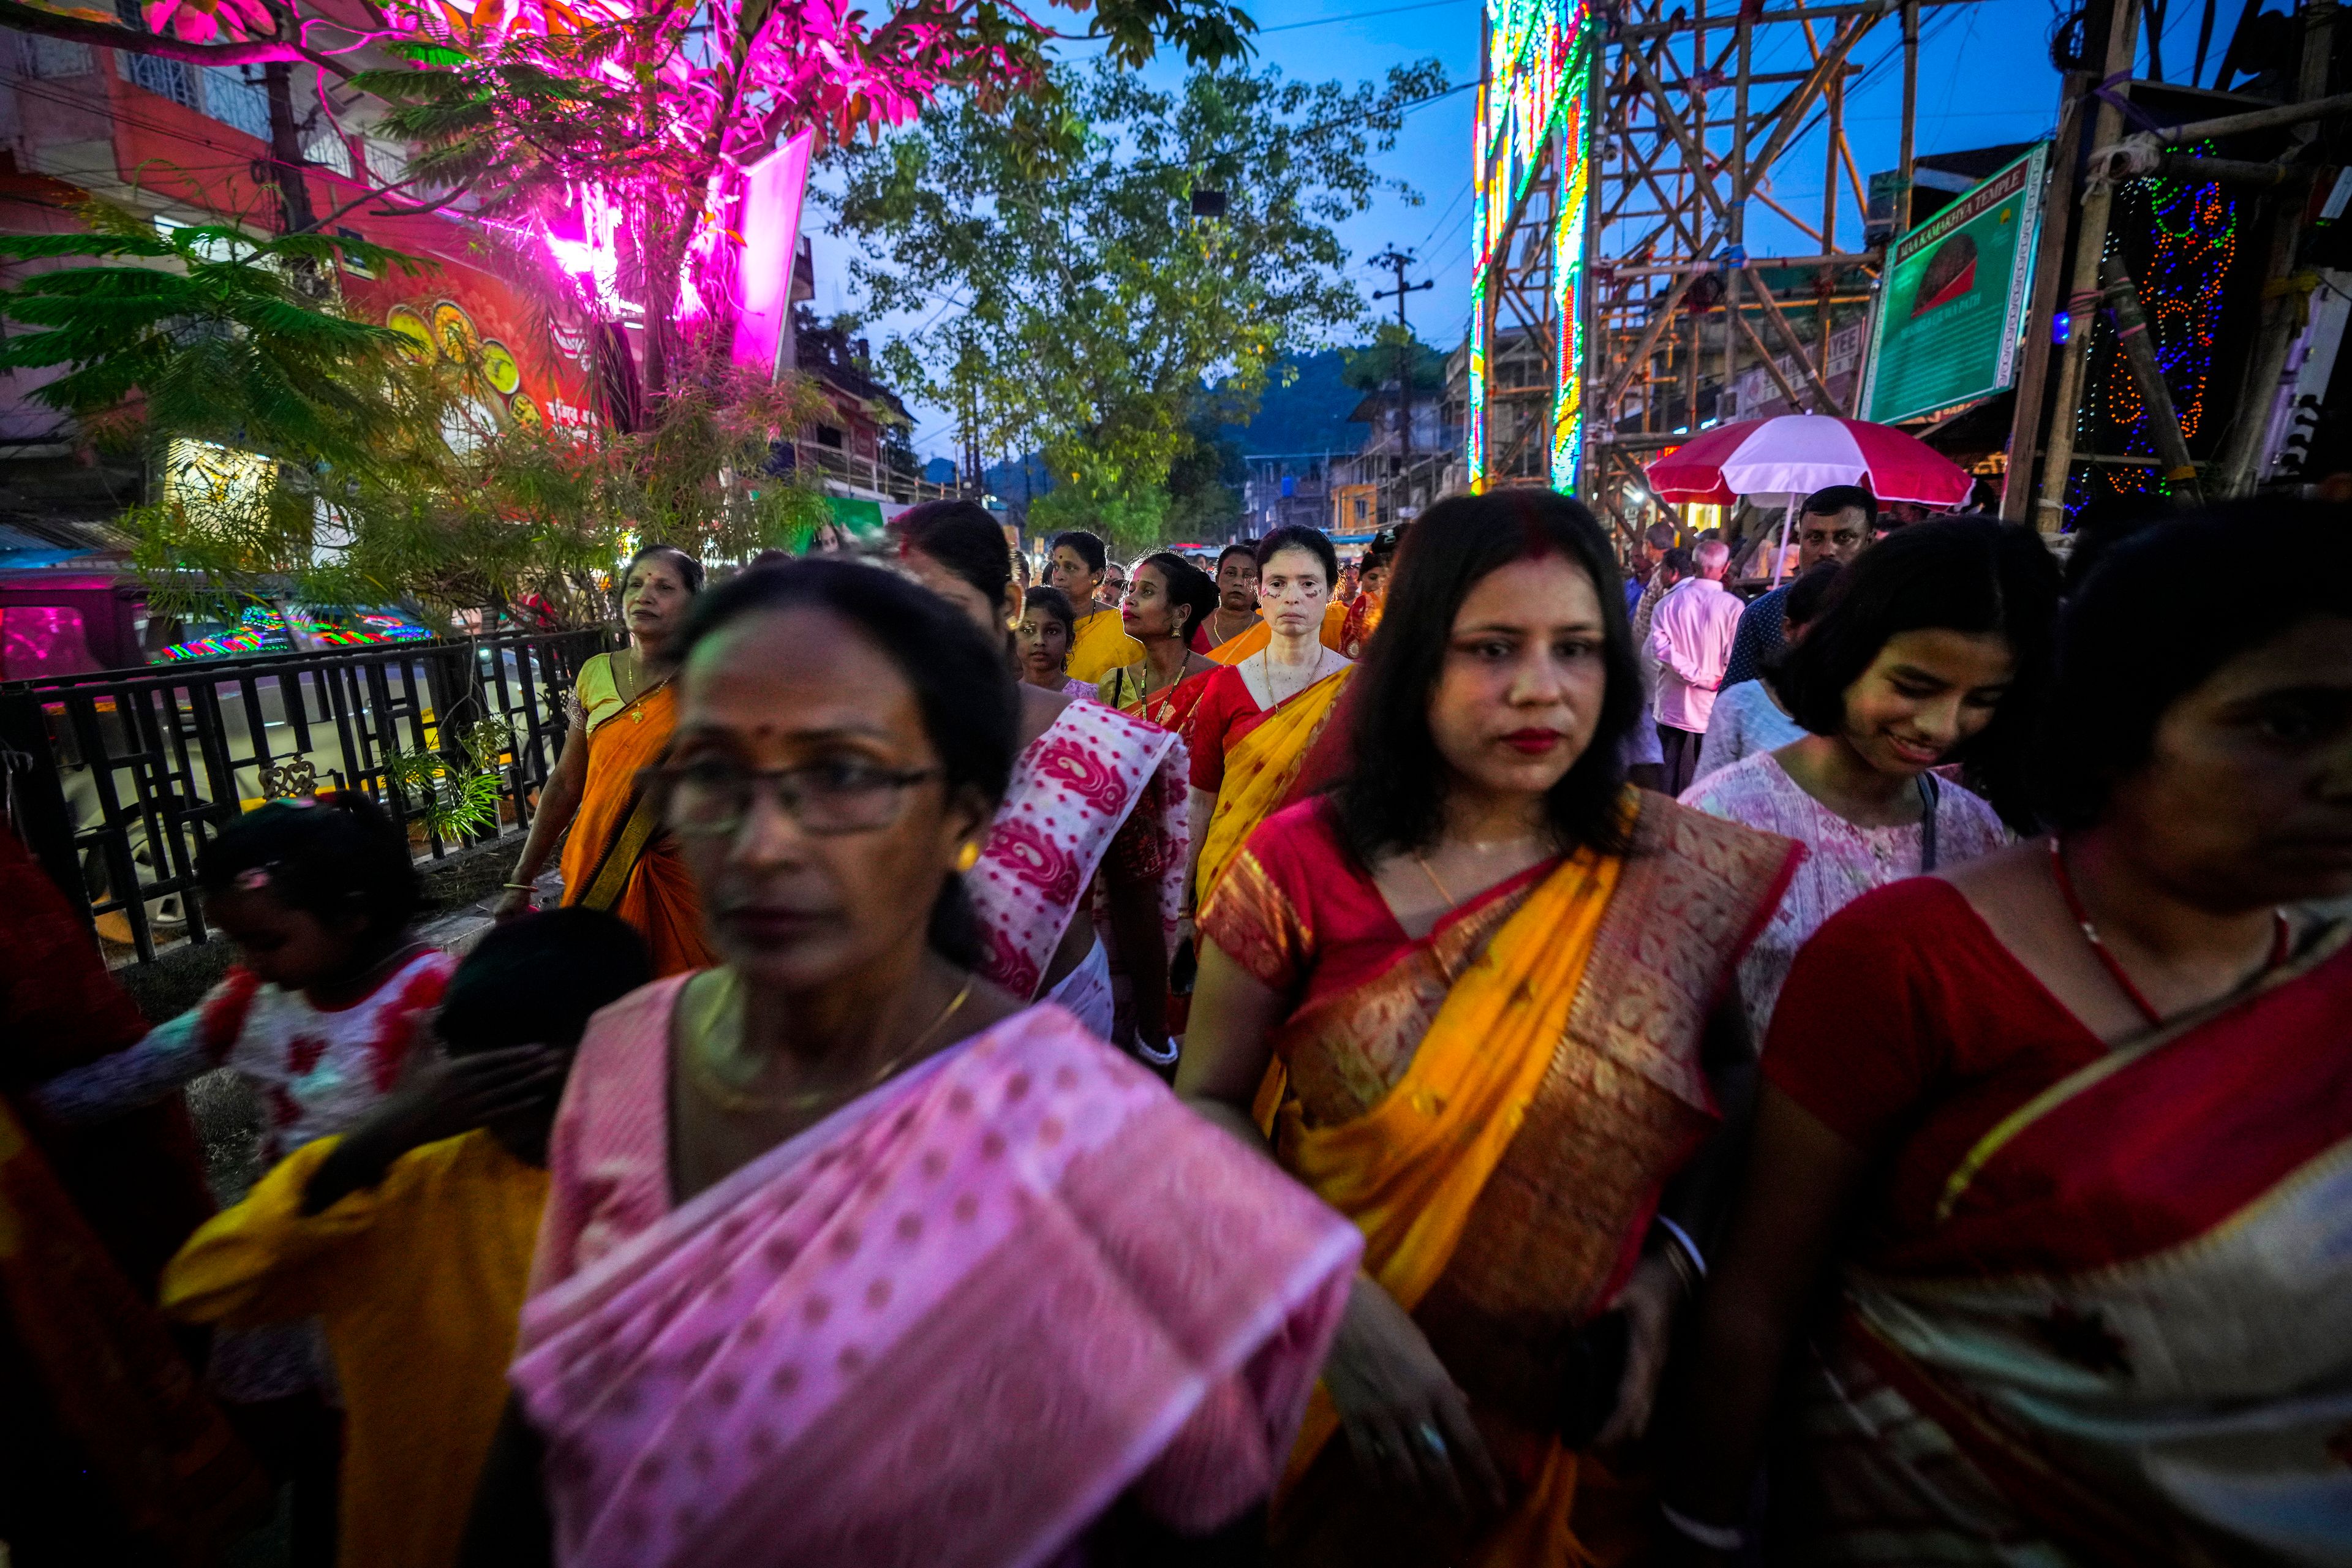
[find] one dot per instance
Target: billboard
(1952, 306)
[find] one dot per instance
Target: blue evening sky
(1985, 79)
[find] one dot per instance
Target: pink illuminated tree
(611, 139)
(618, 136)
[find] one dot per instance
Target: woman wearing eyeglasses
(849, 1254)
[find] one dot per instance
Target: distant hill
(1310, 415)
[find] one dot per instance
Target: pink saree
(948, 1325)
(1073, 787)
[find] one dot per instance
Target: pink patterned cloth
(947, 1326)
(1073, 786)
(1841, 861)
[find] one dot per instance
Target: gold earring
(969, 856)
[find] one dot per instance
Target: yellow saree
(1259, 771)
(617, 858)
(1497, 1107)
(1234, 649)
(1099, 646)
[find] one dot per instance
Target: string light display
(2181, 241)
(1531, 121)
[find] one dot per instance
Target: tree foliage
(657, 105)
(201, 331)
(1075, 304)
(299, 451)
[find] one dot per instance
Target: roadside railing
(117, 780)
(869, 473)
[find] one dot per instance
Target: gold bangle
(524, 887)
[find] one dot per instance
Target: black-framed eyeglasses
(710, 796)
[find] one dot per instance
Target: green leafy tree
(201, 331)
(297, 452)
(1087, 308)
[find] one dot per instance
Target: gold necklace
(734, 1099)
(1423, 861)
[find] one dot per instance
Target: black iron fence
(117, 779)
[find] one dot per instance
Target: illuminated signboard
(1532, 117)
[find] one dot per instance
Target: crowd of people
(1494, 1054)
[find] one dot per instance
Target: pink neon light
(770, 224)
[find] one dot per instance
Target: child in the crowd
(332, 992)
(410, 1238)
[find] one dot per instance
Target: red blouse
(1333, 930)
(1910, 1031)
(1224, 713)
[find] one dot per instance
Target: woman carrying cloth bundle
(1093, 791)
(622, 711)
(851, 1257)
(1488, 968)
(1256, 721)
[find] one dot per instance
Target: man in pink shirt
(1690, 639)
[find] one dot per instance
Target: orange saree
(618, 858)
(1498, 1106)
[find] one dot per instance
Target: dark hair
(970, 705)
(1299, 536)
(1679, 562)
(1246, 547)
(1382, 550)
(1839, 497)
(2161, 610)
(962, 538)
(1394, 790)
(331, 858)
(535, 981)
(1188, 586)
(1660, 535)
(1054, 603)
(1808, 592)
(688, 567)
(1087, 548)
(1958, 573)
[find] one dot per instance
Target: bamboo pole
(2050, 255)
(2098, 197)
(2131, 335)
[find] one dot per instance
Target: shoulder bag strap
(1930, 792)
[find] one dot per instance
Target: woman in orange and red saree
(1487, 969)
(850, 1256)
(1094, 791)
(622, 710)
(1236, 613)
(1256, 721)
(1166, 599)
(2067, 1128)
(1371, 589)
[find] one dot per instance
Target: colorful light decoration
(2192, 243)
(1531, 113)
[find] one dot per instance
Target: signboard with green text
(1952, 306)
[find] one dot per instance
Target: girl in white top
(1932, 648)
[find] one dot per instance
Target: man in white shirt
(1690, 639)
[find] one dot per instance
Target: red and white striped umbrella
(1796, 454)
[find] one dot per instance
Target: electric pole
(1400, 260)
